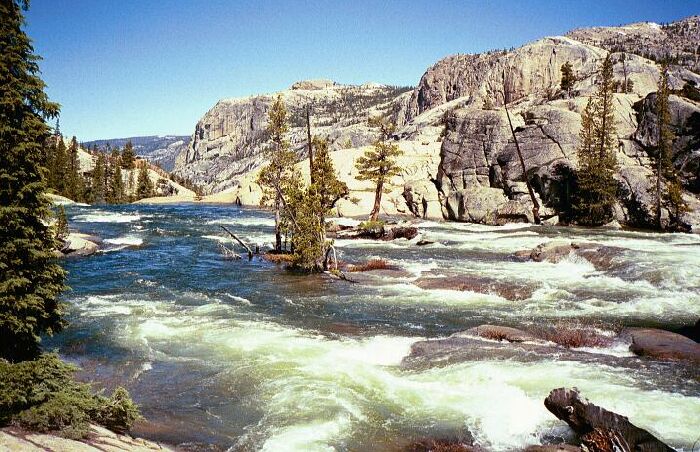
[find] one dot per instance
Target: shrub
(41, 395)
(371, 225)
(372, 264)
(119, 412)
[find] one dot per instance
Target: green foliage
(667, 189)
(597, 187)
(128, 156)
(115, 192)
(279, 174)
(328, 186)
(144, 185)
(567, 77)
(379, 163)
(370, 225)
(30, 279)
(119, 412)
(41, 395)
(98, 186)
(61, 223)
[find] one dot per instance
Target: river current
(242, 354)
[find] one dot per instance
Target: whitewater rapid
(251, 357)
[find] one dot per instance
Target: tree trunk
(308, 138)
(278, 229)
(377, 201)
(533, 198)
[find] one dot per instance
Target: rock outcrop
(77, 244)
(229, 140)
(601, 256)
(601, 430)
(664, 345)
(99, 440)
(461, 161)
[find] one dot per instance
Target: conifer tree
(128, 156)
(597, 188)
(30, 279)
(379, 163)
(567, 77)
(74, 183)
(144, 185)
(60, 169)
(667, 189)
(277, 174)
(99, 195)
(116, 188)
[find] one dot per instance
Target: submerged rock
(601, 430)
(509, 290)
(665, 345)
(499, 333)
(601, 256)
(384, 232)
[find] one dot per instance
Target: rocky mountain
(159, 150)
(228, 141)
(460, 161)
(678, 41)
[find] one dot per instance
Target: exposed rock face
(601, 430)
(229, 140)
(100, 440)
(160, 150)
(77, 244)
(678, 39)
(665, 345)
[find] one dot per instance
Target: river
(243, 354)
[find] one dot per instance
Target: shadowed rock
(665, 345)
(601, 430)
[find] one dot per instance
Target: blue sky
(154, 67)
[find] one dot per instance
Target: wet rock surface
(601, 430)
(601, 256)
(385, 232)
(506, 289)
(665, 345)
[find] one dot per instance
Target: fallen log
(599, 428)
(250, 252)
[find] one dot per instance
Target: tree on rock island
(30, 279)
(144, 185)
(277, 174)
(379, 163)
(597, 187)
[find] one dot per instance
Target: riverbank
(99, 440)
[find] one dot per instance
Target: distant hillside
(160, 150)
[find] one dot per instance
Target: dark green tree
(379, 163)
(144, 185)
(128, 156)
(59, 170)
(567, 77)
(116, 185)
(274, 176)
(97, 184)
(30, 279)
(597, 187)
(74, 182)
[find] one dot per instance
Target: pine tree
(74, 183)
(128, 156)
(98, 188)
(597, 188)
(30, 279)
(274, 177)
(667, 189)
(567, 78)
(379, 163)
(116, 187)
(144, 185)
(60, 169)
